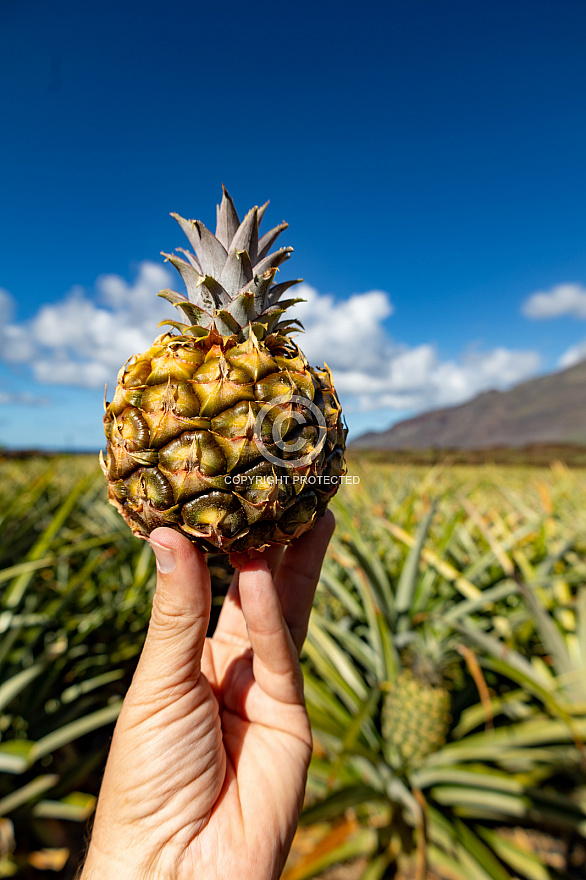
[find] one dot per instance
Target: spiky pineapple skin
(415, 719)
(181, 451)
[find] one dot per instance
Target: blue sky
(428, 156)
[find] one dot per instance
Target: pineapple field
(445, 670)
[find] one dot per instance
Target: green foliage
(493, 563)
(73, 611)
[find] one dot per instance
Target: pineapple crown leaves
(229, 279)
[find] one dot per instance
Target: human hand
(207, 768)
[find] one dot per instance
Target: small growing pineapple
(416, 708)
(222, 430)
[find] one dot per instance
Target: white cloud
(7, 397)
(563, 299)
(372, 372)
(573, 355)
(338, 327)
(6, 306)
(417, 379)
(83, 340)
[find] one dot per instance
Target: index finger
(298, 574)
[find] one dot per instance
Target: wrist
(100, 865)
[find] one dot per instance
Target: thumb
(181, 609)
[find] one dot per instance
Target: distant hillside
(547, 410)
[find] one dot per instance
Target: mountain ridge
(549, 409)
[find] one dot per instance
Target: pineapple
(416, 708)
(222, 430)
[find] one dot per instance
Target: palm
(262, 764)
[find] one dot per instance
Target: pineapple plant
(221, 429)
(415, 717)
(393, 780)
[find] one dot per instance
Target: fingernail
(165, 558)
